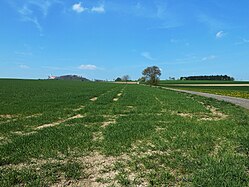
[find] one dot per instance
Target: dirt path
(237, 101)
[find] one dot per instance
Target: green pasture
(84, 134)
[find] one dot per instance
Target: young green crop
(76, 133)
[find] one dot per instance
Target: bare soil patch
(94, 99)
(24, 134)
(161, 103)
(59, 122)
(115, 99)
(107, 123)
(97, 136)
(79, 108)
(8, 116)
(33, 116)
(99, 169)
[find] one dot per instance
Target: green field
(102, 134)
(232, 91)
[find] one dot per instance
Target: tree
(152, 74)
(118, 79)
(125, 78)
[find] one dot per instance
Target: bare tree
(125, 78)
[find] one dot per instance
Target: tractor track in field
(234, 100)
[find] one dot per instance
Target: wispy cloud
(22, 53)
(58, 68)
(27, 15)
(78, 7)
(207, 58)
(212, 23)
(147, 55)
(87, 67)
(23, 66)
(220, 34)
(29, 11)
(45, 5)
(179, 41)
(99, 9)
(243, 41)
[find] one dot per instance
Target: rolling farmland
(57, 133)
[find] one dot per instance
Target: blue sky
(104, 39)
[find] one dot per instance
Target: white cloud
(211, 57)
(220, 34)
(77, 7)
(22, 66)
(147, 55)
(99, 9)
(88, 67)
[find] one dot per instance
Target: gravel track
(237, 101)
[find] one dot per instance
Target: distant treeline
(210, 77)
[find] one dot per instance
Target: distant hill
(71, 77)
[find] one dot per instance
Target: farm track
(237, 101)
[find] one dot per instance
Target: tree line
(209, 77)
(151, 75)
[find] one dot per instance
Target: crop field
(233, 91)
(201, 82)
(72, 133)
